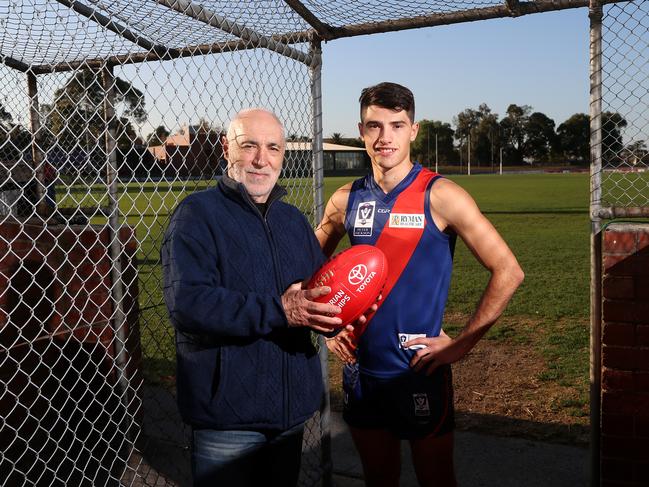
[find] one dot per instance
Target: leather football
(356, 277)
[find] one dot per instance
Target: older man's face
(255, 152)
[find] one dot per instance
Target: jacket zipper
(271, 242)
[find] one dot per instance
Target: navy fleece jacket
(225, 267)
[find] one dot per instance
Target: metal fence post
(115, 249)
(37, 152)
(595, 14)
(315, 70)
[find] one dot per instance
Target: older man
(234, 257)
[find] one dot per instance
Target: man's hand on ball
(301, 310)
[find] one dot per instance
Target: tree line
(75, 122)
(522, 136)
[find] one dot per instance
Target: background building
(193, 151)
(338, 160)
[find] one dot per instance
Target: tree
(574, 137)
(7, 150)
(540, 138)
(6, 120)
(337, 138)
(636, 153)
(76, 118)
(485, 138)
(298, 138)
(158, 136)
(14, 138)
(612, 143)
(204, 126)
(481, 126)
(466, 121)
(432, 133)
(513, 132)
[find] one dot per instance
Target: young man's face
(255, 153)
(387, 135)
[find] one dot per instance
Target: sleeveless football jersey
(420, 255)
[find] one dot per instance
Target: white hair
(246, 112)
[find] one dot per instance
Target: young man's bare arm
(329, 233)
(332, 227)
(455, 209)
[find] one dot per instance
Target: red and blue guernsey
(420, 261)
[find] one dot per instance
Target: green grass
(543, 218)
(625, 189)
(565, 347)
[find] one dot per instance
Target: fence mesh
(111, 113)
(625, 105)
(93, 161)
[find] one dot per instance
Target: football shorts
(411, 406)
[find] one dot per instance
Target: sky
(541, 60)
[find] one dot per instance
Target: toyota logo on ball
(357, 274)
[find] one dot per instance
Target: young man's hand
(342, 345)
(437, 351)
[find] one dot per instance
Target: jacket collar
(232, 187)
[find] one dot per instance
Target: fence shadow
(161, 455)
(61, 416)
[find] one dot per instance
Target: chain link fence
(625, 105)
(111, 113)
(94, 157)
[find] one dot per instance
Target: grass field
(543, 217)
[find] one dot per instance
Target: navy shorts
(411, 406)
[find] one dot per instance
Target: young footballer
(397, 379)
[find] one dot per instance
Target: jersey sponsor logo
(420, 402)
(383, 210)
(364, 220)
(406, 220)
(406, 337)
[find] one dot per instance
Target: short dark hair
(389, 95)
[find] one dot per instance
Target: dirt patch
(498, 390)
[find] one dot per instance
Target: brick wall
(57, 349)
(624, 447)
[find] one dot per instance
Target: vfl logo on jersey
(422, 408)
(364, 219)
(406, 220)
